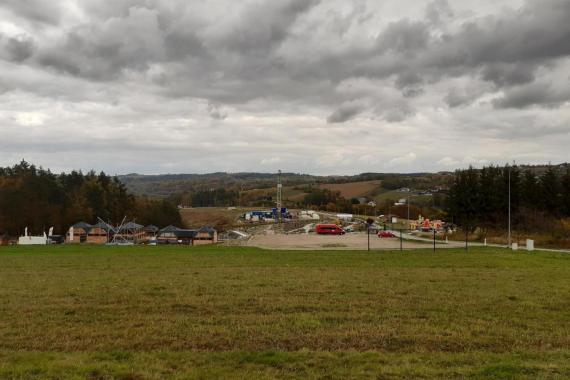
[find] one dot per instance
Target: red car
(329, 229)
(386, 234)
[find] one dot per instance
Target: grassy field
(214, 312)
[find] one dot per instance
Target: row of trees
(325, 199)
(37, 198)
(481, 197)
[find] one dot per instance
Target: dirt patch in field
(221, 218)
(353, 189)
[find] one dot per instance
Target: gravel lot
(314, 241)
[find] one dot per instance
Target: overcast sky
(323, 87)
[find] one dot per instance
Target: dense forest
(38, 199)
(480, 198)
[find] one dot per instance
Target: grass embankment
(155, 312)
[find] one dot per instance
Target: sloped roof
(103, 226)
(130, 226)
(83, 225)
(207, 230)
(170, 228)
(185, 233)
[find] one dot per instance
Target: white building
(33, 240)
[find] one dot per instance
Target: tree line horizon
(479, 198)
(39, 199)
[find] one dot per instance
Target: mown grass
(215, 312)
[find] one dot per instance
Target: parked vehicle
(386, 234)
(329, 229)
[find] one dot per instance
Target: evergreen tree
(464, 199)
(550, 192)
(565, 188)
(530, 191)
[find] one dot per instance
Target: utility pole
(509, 238)
(369, 223)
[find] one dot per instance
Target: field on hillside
(353, 189)
(290, 193)
(396, 195)
(215, 312)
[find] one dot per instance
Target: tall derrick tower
(279, 202)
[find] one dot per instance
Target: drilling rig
(279, 203)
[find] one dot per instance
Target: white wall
(32, 240)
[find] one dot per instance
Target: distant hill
(165, 185)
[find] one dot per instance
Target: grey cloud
(260, 26)
(410, 83)
(17, 48)
(408, 78)
(216, 112)
(438, 10)
(455, 98)
(46, 12)
(101, 52)
(505, 74)
(533, 94)
(405, 36)
(345, 112)
(396, 113)
(540, 30)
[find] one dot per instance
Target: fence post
(401, 240)
(434, 239)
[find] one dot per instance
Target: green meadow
(90, 312)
